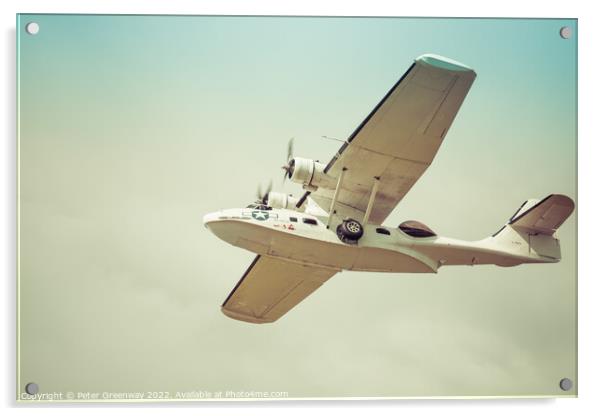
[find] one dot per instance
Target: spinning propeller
(262, 197)
(290, 161)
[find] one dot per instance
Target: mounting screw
(32, 28)
(32, 388)
(566, 384)
(565, 32)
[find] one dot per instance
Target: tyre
(351, 229)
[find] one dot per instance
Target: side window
(293, 219)
(383, 231)
(310, 221)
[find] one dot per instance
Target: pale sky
(132, 128)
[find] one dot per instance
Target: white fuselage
(384, 249)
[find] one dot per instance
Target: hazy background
(131, 128)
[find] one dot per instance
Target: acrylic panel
(427, 153)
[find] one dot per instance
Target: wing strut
(335, 196)
(371, 200)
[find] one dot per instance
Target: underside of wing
(271, 287)
(399, 139)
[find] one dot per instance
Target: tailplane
(531, 230)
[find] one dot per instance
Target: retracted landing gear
(349, 231)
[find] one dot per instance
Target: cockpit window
(260, 207)
(416, 229)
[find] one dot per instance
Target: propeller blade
(289, 152)
(267, 194)
(259, 193)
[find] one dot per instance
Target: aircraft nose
(209, 218)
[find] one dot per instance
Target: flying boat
(337, 223)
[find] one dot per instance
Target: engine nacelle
(279, 200)
(311, 174)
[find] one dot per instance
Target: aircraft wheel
(351, 229)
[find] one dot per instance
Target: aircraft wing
(271, 287)
(398, 140)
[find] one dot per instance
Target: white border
(590, 346)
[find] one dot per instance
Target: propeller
(262, 197)
(290, 160)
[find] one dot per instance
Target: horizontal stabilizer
(546, 216)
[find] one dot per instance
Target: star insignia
(260, 215)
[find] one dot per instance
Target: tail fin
(545, 216)
(531, 229)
